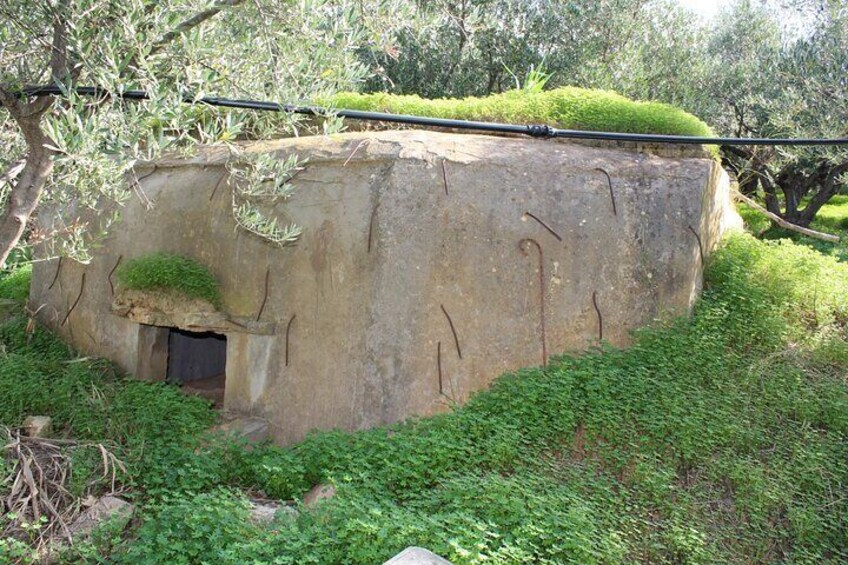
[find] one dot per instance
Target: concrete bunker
(429, 264)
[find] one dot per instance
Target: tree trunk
(26, 192)
(772, 203)
(830, 187)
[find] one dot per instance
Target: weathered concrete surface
(430, 263)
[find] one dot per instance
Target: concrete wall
(430, 263)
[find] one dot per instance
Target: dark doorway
(198, 362)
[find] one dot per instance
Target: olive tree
(476, 47)
(86, 149)
(784, 82)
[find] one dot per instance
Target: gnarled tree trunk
(28, 187)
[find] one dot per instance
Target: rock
(106, 509)
(249, 428)
(265, 512)
(262, 514)
(318, 493)
(38, 426)
(417, 556)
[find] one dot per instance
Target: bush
(165, 271)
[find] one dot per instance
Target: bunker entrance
(197, 361)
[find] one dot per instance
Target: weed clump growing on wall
(165, 271)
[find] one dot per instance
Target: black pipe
(539, 131)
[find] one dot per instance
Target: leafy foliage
(265, 178)
(86, 149)
(87, 399)
(219, 519)
(761, 68)
(166, 271)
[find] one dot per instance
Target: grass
(164, 271)
(722, 438)
(570, 107)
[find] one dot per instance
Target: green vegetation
(833, 219)
(572, 108)
(834, 216)
(722, 69)
(165, 271)
(15, 284)
(722, 438)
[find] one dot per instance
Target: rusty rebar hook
(611, 192)
(522, 246)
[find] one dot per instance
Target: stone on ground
(318, 493)
(249, 428)
(106, 509)
(38, 426)
(417, 556)
(264, 512)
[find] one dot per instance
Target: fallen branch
(783, 223)
(37, 502)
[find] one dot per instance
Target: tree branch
(59, 56)
(192, 22)
(783, 223)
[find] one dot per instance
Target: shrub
(165, 271)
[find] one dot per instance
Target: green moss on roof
(570, 108)
(164, 271)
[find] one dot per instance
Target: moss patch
(571, 108)
(164, 271)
